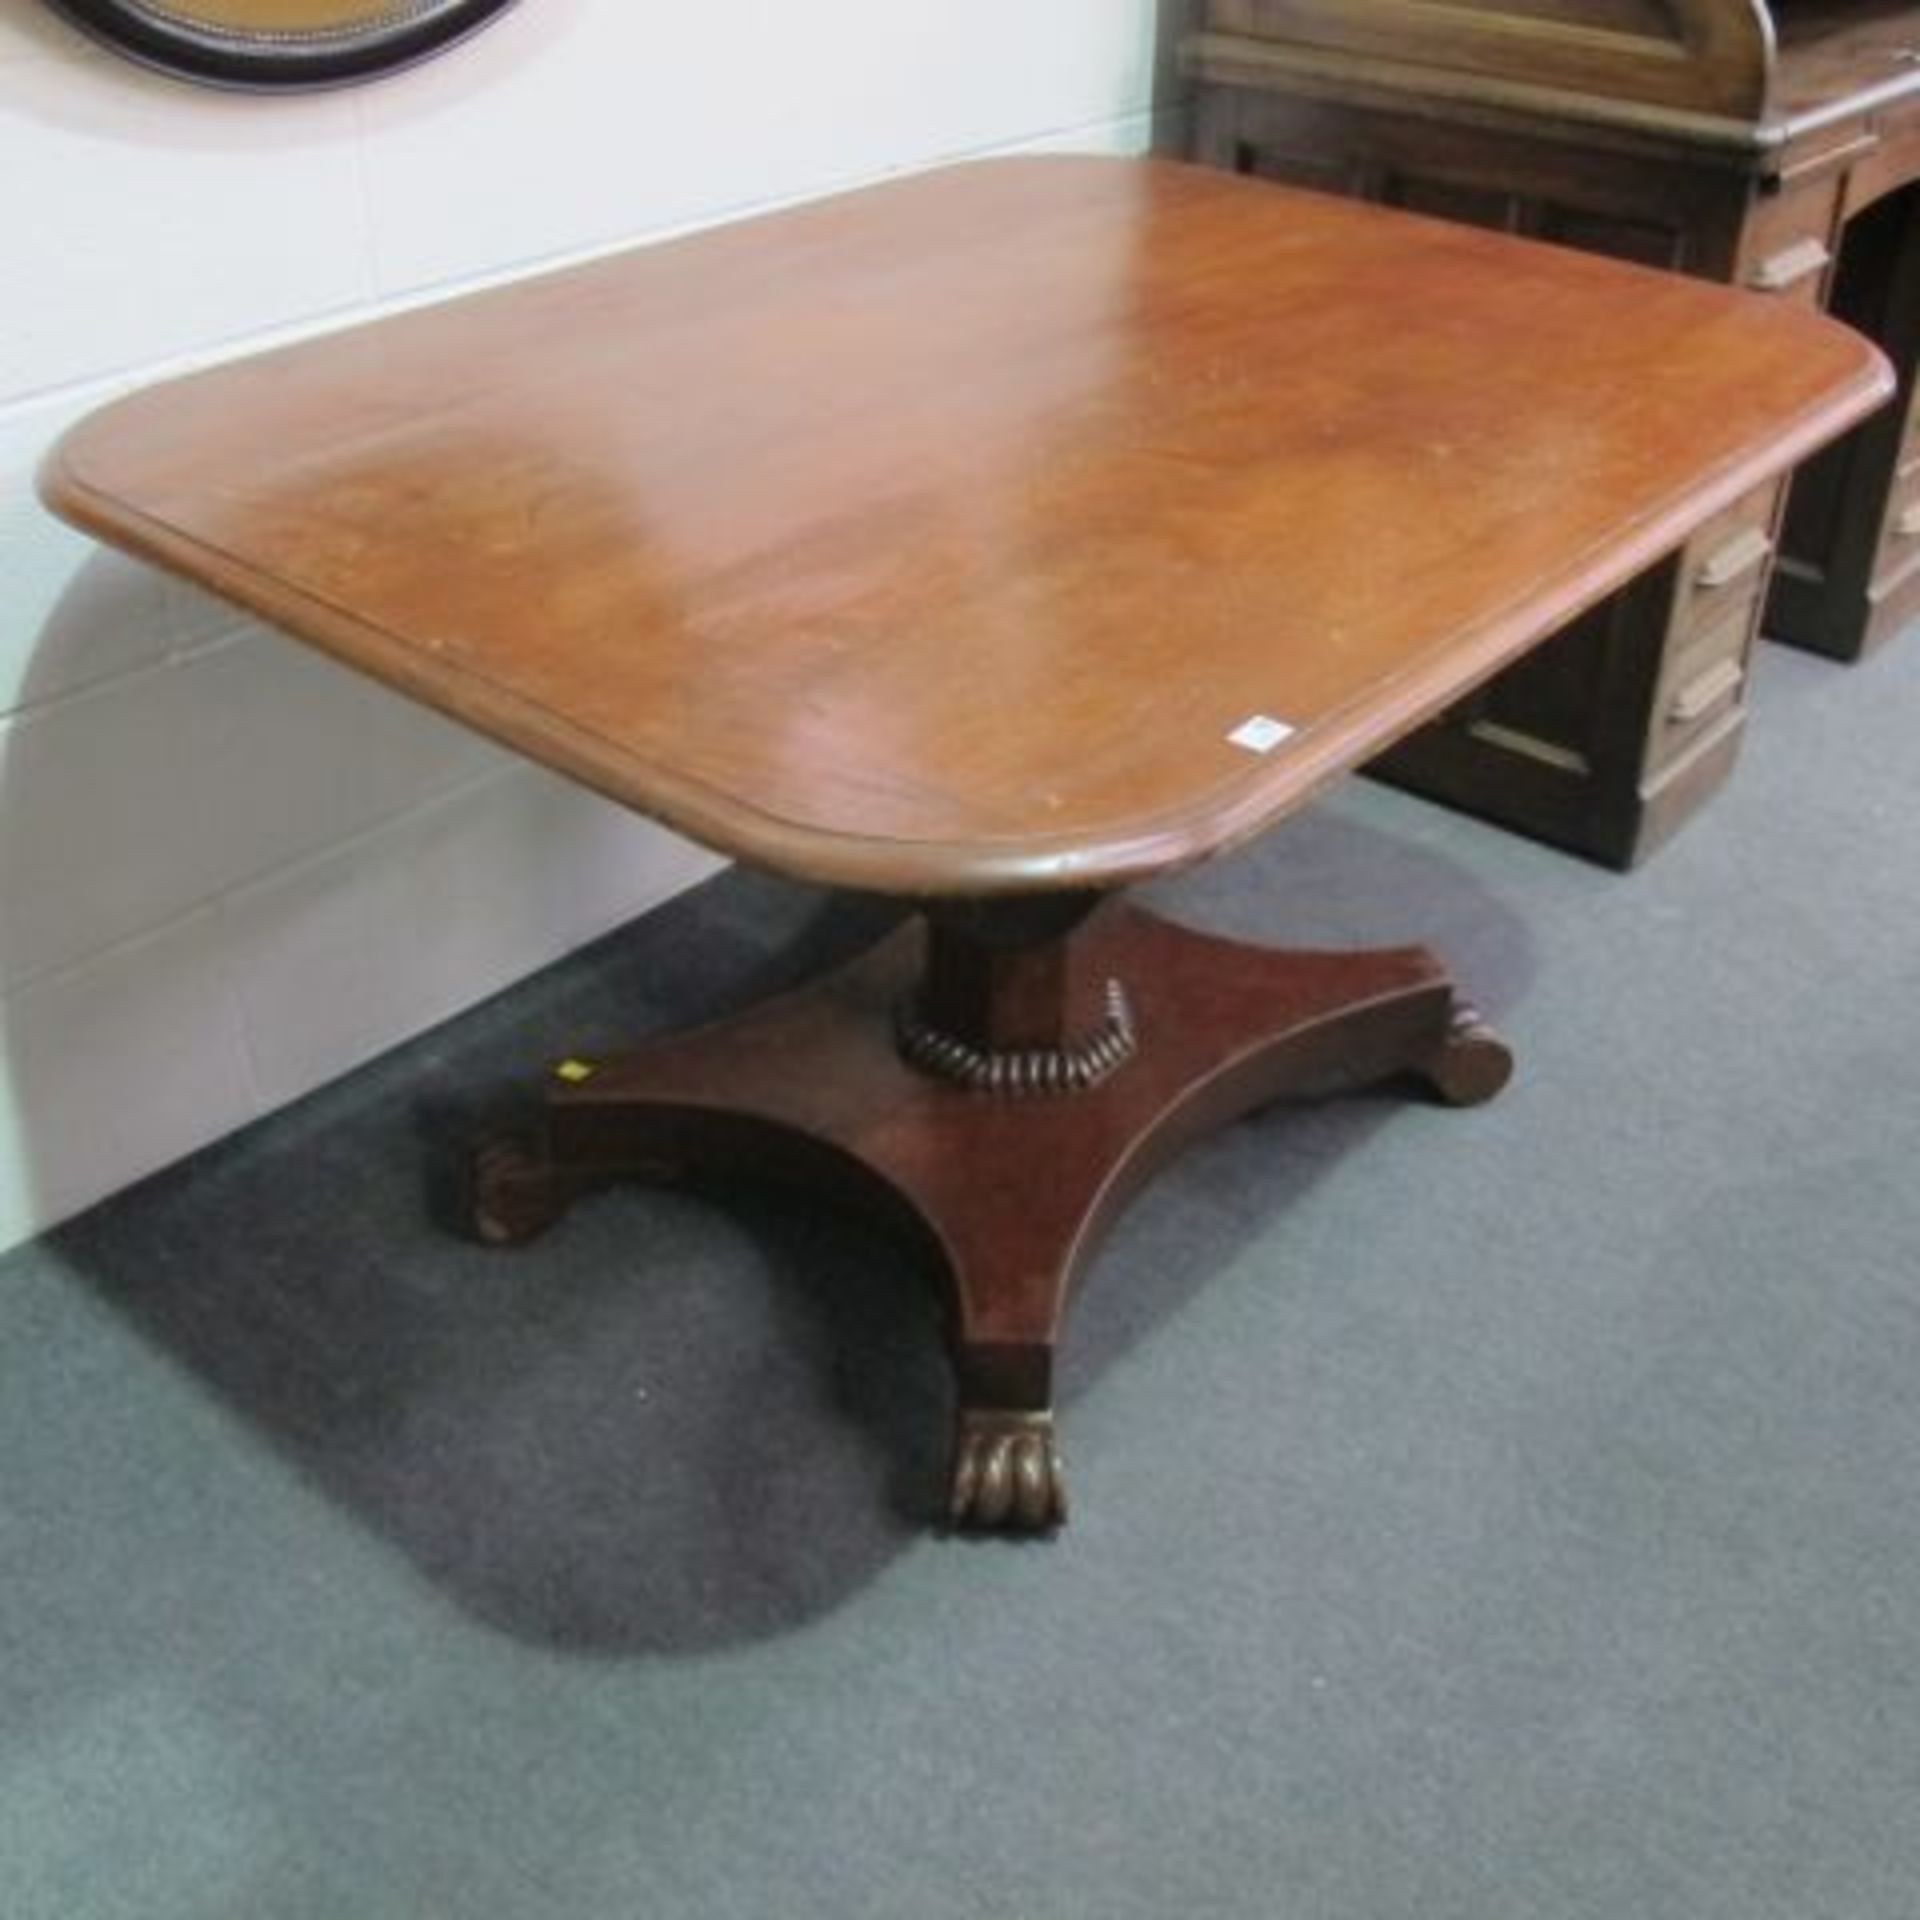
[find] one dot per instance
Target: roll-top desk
(1775, 146)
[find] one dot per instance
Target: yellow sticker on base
(574, 1071)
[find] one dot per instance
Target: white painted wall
(228, 869)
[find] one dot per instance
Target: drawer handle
(1740, 555)
(1907, 522)
(1705, 691)
(1787, 268)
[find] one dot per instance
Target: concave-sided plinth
(1004, 1077)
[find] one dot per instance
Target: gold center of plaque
(283, 16)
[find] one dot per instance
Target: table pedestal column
(1002, 1076)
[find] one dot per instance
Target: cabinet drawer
(1724, 567)
(1722, 584)
(1702, 684)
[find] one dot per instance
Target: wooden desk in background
(992, 540)
(1773, 144)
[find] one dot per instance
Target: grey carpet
(1505, 1513)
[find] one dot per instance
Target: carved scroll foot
(517, 1194)
(1471, 1064)
(1007, 1472)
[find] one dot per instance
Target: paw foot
(1007, 1472)
(516, 1194)
(1472, 1063)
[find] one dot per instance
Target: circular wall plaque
(279, 43)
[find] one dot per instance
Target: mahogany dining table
(991, 539)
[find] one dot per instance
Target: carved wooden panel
(1556, 744)
(1705, 56)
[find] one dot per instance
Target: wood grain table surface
(938, 538)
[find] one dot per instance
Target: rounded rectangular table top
(1034, 524)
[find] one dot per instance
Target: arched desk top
(937, 538)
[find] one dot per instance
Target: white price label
(1260, 733)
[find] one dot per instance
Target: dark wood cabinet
(1774, 147)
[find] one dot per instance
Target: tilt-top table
(992, 540)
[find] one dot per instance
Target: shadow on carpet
(680, 1420)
